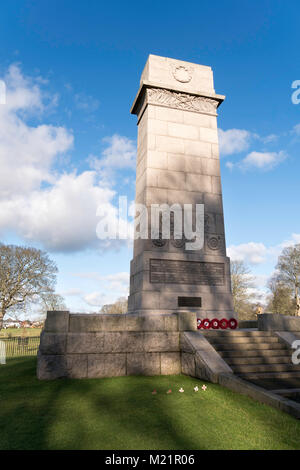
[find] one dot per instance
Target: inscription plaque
(186, 272)
(189, 302)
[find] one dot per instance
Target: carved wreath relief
(174, 99)
(182, 74)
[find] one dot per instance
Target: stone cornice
(172, 98)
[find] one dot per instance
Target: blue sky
(67, 139)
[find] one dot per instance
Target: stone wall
(90, 346)
(277, 322)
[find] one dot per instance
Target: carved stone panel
(186, 272)
(185, 101)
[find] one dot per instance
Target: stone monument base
(93, 346)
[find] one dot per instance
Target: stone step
(262, 353)
(246, 368)
(252, 346)
(288, 392)
(248, 333)
(277, 383)
(231, 361)
(270, 375)
(243, 340)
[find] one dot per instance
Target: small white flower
(196, 389)
(204, 387)
(181, 390)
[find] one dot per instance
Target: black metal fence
(20, 346)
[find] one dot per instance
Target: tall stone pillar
(178, 162)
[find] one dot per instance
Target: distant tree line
(120, 306)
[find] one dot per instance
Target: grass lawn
(121, 413)
(13, 332)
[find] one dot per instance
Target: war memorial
(179, 279)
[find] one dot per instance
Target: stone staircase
(258, 357)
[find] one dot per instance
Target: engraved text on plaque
(186, 272)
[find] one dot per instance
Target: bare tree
(25, 274)
(120, 306)
(288, 268)
(281, 296)
(241, 282)
(52, 301)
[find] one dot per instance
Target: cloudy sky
(68, 141)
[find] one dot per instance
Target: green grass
(121, 413)
(13, 332)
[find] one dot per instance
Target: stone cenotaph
(171, 284)
(178, 163)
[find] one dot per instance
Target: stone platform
(91, 346)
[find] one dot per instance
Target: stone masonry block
(171, 179)
(199, 120)
(187, 321)
(183, 131)
(161, 341)
(106, 365)
(151, 322)
(170, 363)
(196, 182)
(157, 127)
(188, 364)
(51, 367)
(57, 321)
(143, 364)
(77, 366)
(135, 341)
(169, 144)
(53, 343)
(85, 343)
(199, 149)
(185, 345)
(157, 159)
(176, 162)
(115, 341)
(168, 114)
(209, 135)
(98, 322)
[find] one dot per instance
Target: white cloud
(252, 253)
(116, 282)
(296, 129)
(262, 160)
(258, 253)
(229, 165)
(37, 203)
(72, 292)
(86, 102)
(119, 154)
(26, 152)
(95, 299)
(63, 217)
(234, 141)
(268, 139)
(110, 287)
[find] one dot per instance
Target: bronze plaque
(186, 272)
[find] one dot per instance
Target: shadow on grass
(121, 413)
